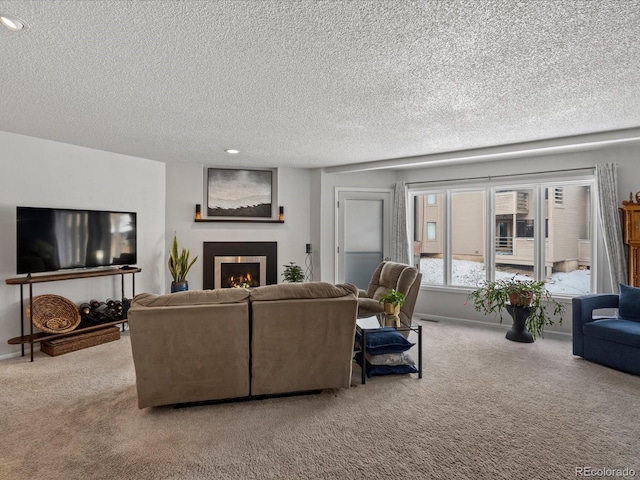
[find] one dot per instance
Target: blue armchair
(612, 341)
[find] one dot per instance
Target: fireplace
(239, 264)
(234, 271)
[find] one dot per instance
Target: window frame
(539, 183)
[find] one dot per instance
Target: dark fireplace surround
(211, 250)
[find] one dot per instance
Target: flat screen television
(52, 239)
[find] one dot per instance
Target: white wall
(41, 173)
(185, 188)
(437, 303)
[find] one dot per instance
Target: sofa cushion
(291, 291)
(616, 330)
(369, 306)
(385, 340)
(192, 297)
(629, 303)
(378, 370)
(390, 359)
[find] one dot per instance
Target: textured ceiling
(317, 83)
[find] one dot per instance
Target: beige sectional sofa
(220, 344)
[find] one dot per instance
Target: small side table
(370, 326)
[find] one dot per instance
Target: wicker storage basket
(78, 341)
(54, 314)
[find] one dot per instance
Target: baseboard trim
(7, 356)
(502, 326)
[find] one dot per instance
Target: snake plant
(179, 264)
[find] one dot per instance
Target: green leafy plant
(393, 297)
(493, 297)
(293, 273)
(179, 264)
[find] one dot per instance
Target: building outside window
(537, 231)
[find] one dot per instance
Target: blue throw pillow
(385, 340)
(629, 303)
(378, 370)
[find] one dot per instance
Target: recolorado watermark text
(605, 472)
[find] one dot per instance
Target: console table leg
(22, 317)
(31, 318)
(419, 351)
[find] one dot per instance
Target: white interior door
(363, 219)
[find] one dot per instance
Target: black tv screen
(51, 239)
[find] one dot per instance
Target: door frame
(386, 195)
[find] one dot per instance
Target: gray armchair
(399, 276)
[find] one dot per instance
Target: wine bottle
(110, 302)
(84, 308)
(93, 303)
(102, 308)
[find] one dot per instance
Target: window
(431, 230)
(515, 216)
(467, 237)
(524, 228)
(568, 243)
(428, 235)
(525, 234)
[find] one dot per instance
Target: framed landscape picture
(240, 193)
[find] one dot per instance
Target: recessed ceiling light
(232, 151)
(11, 22)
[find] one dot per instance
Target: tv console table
(55, 277)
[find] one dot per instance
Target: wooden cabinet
(634, 266)
(631, 229)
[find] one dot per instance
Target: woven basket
(78, 341)
(54, 314)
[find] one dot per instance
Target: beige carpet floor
(487, 408)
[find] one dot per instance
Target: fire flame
(242, 281)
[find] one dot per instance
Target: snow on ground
(467, 273)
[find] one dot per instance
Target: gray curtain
(399, 240)
(608, 201)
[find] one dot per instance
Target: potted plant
(179, 266)
(293, 273)
(527, 301)
(392, 301)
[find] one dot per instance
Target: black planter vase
(518, 331)
(179, 286)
